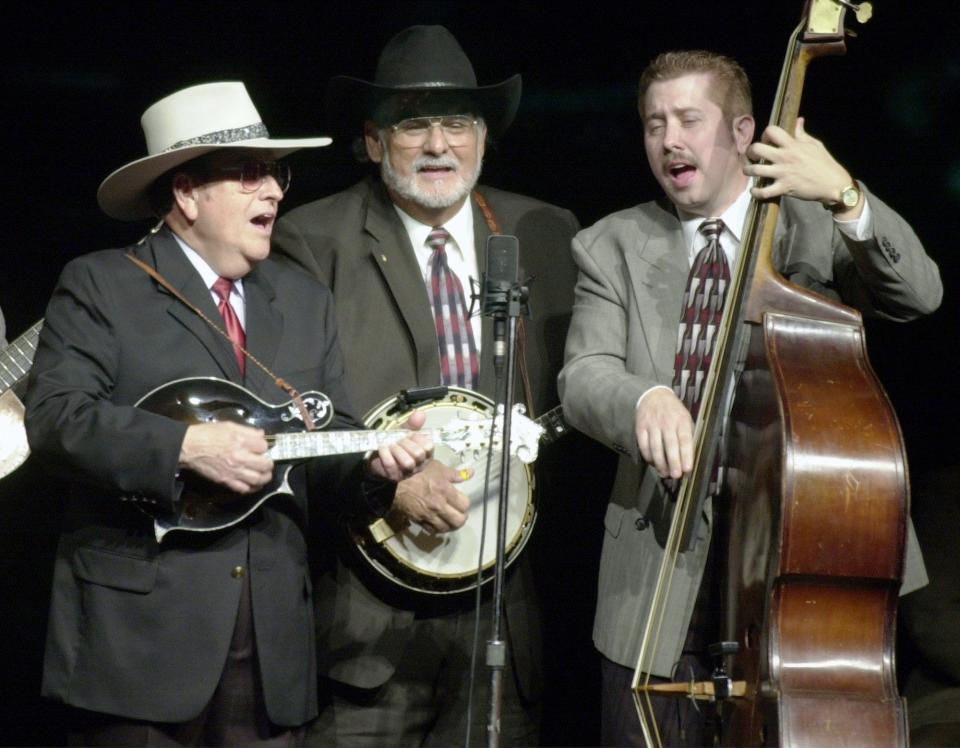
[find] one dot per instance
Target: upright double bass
(813, 508)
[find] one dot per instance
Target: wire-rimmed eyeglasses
(413, 132)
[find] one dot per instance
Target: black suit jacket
(140, 628)
(355, 242)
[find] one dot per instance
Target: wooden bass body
(815, 513)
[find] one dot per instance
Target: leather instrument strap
(279, 381)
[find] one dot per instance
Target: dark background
(77, 77)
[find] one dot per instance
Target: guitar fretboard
(16, 358)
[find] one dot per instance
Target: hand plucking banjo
(413, 558)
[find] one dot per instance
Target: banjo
(408, 555)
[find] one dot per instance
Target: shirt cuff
(655, 387)
(860, 229)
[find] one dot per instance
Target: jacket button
(641, 523)
(237, 572)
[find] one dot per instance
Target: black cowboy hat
(422, 71)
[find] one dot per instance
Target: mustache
(441, 162)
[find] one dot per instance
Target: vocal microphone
(503, 271)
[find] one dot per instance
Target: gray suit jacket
(139, 628)
(633, 269)
(355, 242)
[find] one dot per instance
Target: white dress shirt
(461, 253)
(210, 277)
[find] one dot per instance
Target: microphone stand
(506, 310)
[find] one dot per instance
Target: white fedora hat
(183, 126)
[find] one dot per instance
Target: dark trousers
(427, 702)
(680, 721)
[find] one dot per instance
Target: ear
(371, 139)
(185, 195)
(481, 142)
(743, 127)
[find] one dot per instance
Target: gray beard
(407, 187)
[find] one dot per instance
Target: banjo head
(447, 563)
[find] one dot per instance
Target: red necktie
(222, 287)
(702, 309)
(459, 362)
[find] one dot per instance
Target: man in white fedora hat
(398, 661)
(204, 636)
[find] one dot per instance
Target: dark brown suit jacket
(355, 242)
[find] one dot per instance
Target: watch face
(850, 197)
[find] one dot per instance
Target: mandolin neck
(302, 445)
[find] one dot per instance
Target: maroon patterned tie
(222, 287)
(702, 308)
(459, 362)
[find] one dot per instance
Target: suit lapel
(397, 261)
(264, 326)
(656, 260)
(173, 265)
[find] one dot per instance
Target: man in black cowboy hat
(158, 635)
(399, 663)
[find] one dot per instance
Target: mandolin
(204, 506)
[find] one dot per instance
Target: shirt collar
(460, 227)
(207, 273)
(733, 219)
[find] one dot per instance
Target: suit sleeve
(887, 276)
(890, 275)
(598, 393)
(345, 477)
(71, 419)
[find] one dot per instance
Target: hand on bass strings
(798, 165)
(664, 430)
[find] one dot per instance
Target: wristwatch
(849, 198)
